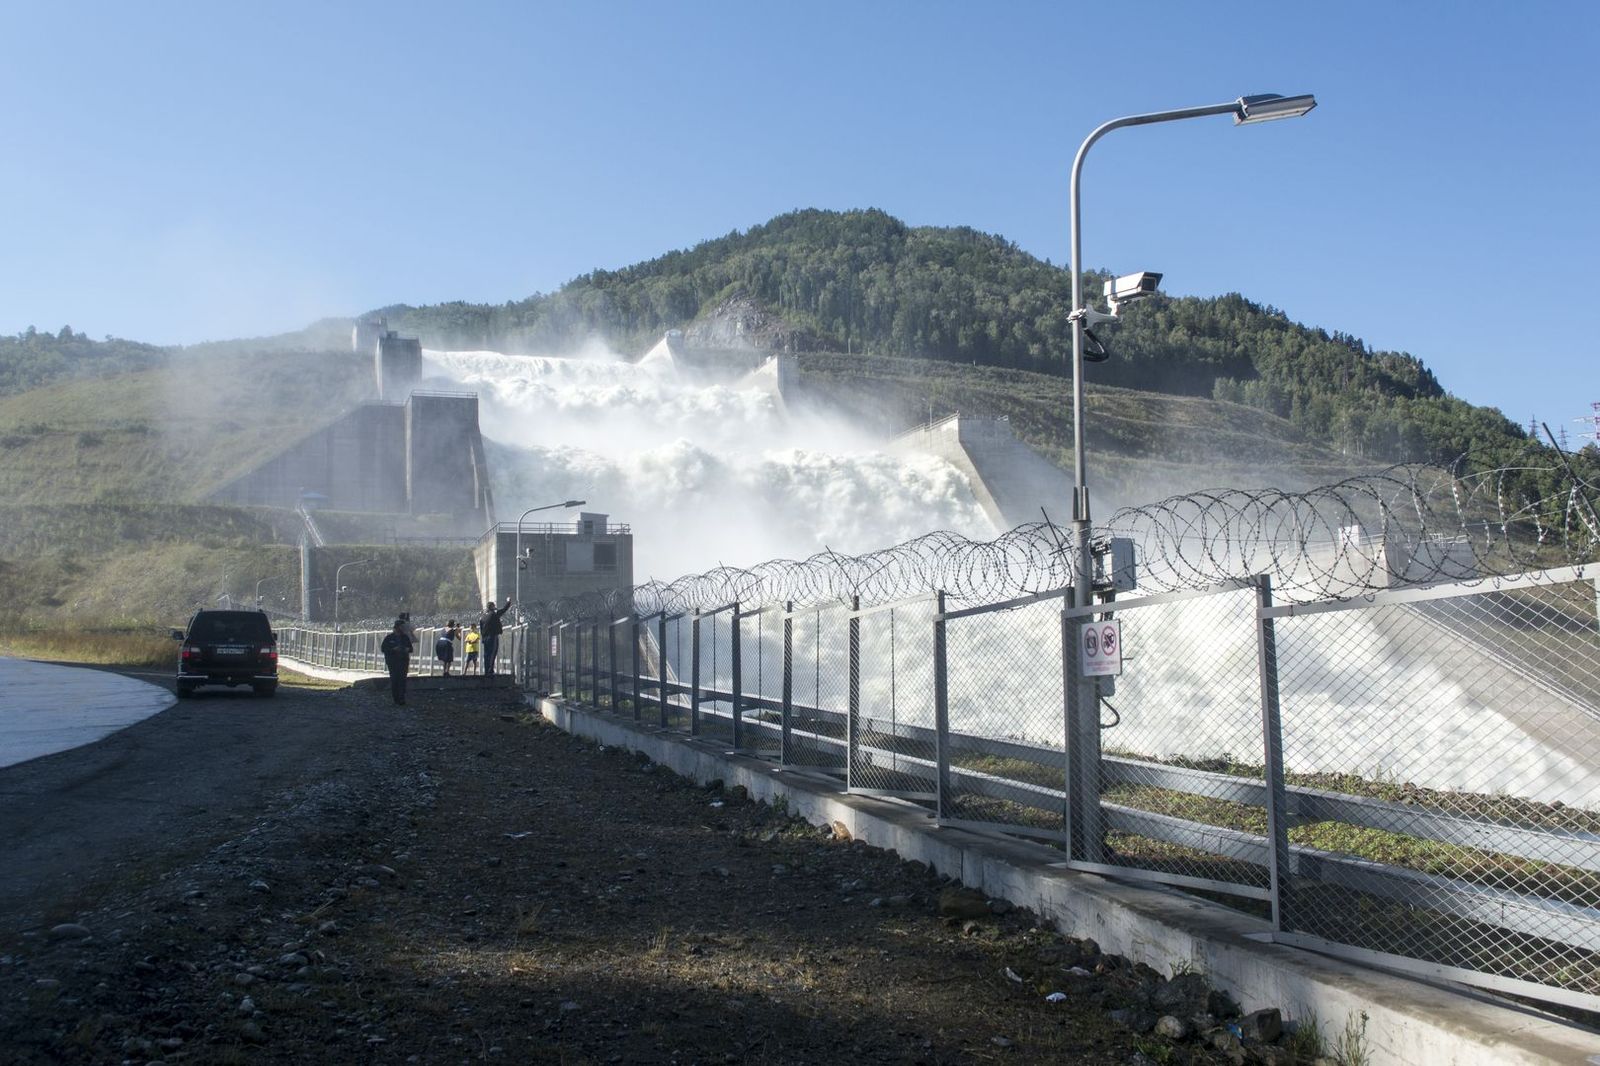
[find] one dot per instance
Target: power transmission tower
(1593, 419)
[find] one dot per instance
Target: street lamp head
(575, 503)
(1269, 106)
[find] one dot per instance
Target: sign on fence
(1100, 649)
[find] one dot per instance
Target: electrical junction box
(1113, 564)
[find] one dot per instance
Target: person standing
(470, 643)
(396, 648)
(490, 628)
(444, 648)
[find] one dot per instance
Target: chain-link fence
(1005, 731)
(1441, 749)
(1414, 774)
(1181, 779)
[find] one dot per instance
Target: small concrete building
(396, 360)
(397, 364)
(364, 337)
(559, 559)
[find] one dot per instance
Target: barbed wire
(1409, 524)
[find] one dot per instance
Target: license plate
(232, 652)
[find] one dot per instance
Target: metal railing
(357, 650)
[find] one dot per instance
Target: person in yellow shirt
(470, 641)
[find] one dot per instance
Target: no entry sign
(1100, 649)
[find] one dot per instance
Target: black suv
(228, 648)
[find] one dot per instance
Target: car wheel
(266, 690)
(185, 690)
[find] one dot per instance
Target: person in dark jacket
(396, 648)
(489, 628)
(444, 647)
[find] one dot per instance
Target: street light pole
(263, 581)
(339, 587)
(517, 581)
(1083, 708)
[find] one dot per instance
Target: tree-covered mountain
(862, 281)
(31, 358)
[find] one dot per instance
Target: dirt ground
(324, 877)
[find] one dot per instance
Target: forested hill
(862, 281)
(31, 358)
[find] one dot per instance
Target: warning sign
(1100, 649)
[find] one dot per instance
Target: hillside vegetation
(148, 565)
(863, 281)
(1143, 446)
(169, 432)
(32, 359)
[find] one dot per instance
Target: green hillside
(862, 281)
(1143, 446)
(32, 359)
(174, 431)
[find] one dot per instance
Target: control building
(559, 559)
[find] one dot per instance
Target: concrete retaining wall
(1408, 1023)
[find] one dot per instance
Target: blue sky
(175, 173)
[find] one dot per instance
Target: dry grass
(100, 647)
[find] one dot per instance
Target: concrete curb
(418, 682)
(325, 673)
(1409, 1023)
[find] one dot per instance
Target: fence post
(1272, 733)
(611, 662)
(738, 681)
(634, 631)
(661, 665)
(577, 661)
(1085, 829)
(853, 717)
(594, 664)
(941, 710)
(785, 748)
(694, 673)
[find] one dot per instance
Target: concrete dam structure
(1010, 480)
(410, 452)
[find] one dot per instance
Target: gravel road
(166, 786)
(324, 877)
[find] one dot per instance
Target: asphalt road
(176, 782)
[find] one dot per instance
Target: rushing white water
(706, 472)
(713, 472)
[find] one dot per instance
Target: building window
(605, 556)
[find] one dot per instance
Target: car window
(230, 627)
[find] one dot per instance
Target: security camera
(1131, 287)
